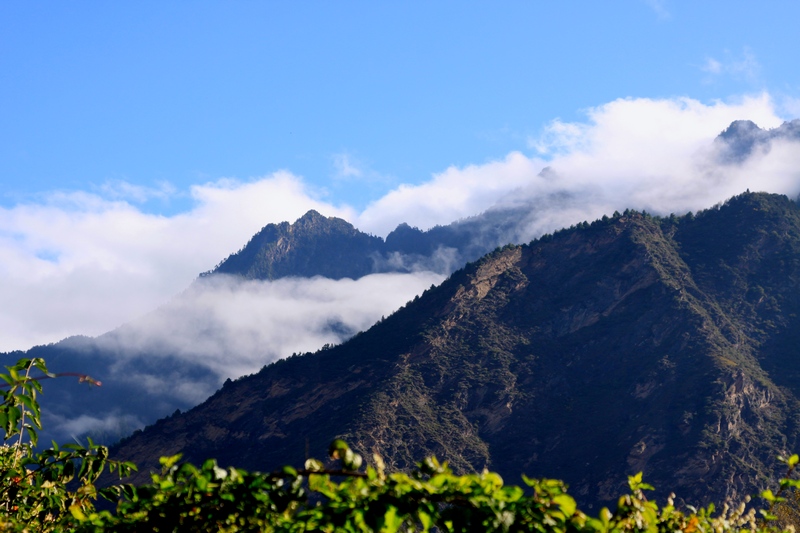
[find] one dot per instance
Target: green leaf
(32, 435)
(31, 403)
(391, 520)
(314, 465)
(566, 503)
(13, 414)
(425, 519)
(169, 462)
(39, 363)
(77, 512)
(790, 483)
(337, 449)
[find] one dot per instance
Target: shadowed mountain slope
(628, 344)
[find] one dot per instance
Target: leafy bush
(40, 490)
(54, 490)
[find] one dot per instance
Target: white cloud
(712, 66)
(234, 327)
(659, 8)
(653, 154)
(346, 166)
(747, 66)
(744, 67)
(455, 193)
(643, 153)
(220, 327)
(649, 154)
(123, 190)
(99, 428)
(78, 263)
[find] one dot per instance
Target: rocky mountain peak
(313, 221)
(314, 245)
(311, 215)
(739, 140)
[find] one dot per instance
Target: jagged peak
(311, 214)
(313, 220)
(742, 134)
(738, 127)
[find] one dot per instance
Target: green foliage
(784, 506)
(55, 491)
(39, 490)
(429, 498)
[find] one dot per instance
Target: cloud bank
(81, 263)
(646, 154)
(220, 328)
(84, 263)
(233, 326)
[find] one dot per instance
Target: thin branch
(82, 378)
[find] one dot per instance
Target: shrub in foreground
(55, 490)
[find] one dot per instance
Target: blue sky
(142, 142)
(157, 93)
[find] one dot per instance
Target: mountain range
(330, 247)
(634, 343)
(148, 371)
(179, 354)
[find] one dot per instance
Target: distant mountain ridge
(313, 246)
(742, 137)
(316, 245)
(631, 343)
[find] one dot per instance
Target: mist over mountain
(631, 343)
(742, 137)
(318, 246)
(296, 287)
(219, 328)
(330, 247)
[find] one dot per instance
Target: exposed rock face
(313, 246)
(631, 344)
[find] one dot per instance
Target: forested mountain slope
(632, 343)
